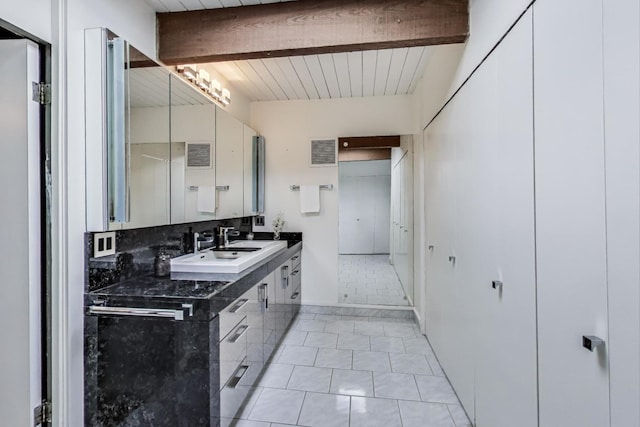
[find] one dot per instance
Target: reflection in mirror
(149, 177)
(193, 138)
(229, 165)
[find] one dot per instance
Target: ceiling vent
(324, 152)
(199, 155)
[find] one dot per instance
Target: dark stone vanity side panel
(142, 372)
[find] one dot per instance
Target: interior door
(570, 213)
(356, 217)
(20, 245)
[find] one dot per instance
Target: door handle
(591, 342)
(496, 284)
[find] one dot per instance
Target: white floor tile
(354, 383)
(278, 406)
(424, 414)
(332, 358)
(371, 412)
(307, 378)
(326, 410)
(395, 386)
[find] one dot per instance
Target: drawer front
(233, 314)
(295, 260)
(233, 351)
(295, 278)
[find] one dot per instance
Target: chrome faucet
(196, 243)
(224, 235)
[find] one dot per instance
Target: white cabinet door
(622, 141)
(20, 304)
(503, 235)
(570, 212)
(229, 165)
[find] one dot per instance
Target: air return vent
(324, 152)
(198, 155)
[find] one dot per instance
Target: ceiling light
(189, 71)
(226, 96)
(203, 80)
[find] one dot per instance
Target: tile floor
(347, 371)
(369, 279)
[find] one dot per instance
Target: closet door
(502, 234)
(622, 141)
(570, 213)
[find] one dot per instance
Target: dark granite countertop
(208, 293)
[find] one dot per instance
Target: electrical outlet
(258, 220)
(104, 244)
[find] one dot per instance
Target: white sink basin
(207, 262)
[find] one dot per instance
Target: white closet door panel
(503, 231)
(622, 144)
(570, 212)
(382, 212)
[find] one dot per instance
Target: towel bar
(322, 187)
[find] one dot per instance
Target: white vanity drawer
(295, 260)
(233, 314)
(233, 351)
(295, 277)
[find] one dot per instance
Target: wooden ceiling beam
(308, 27)
(368, 142)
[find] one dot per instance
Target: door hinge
(42, 93)
(42, 414)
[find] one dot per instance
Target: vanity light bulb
(226, 96)
(203, 80)
(189, 71)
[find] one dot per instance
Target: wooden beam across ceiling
(308, 27)
(368, 142)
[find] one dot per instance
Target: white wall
(33, 16)
(287, 127)
(134, 21)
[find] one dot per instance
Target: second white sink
(206, 262)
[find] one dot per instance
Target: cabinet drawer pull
(295, 272)
(295, 257)
(239, 333)
(295, 295)
(239, 305)
(237, 376)
(143, 312)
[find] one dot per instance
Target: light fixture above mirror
(202, 80)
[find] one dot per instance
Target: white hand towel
(309, 198)
(207, 199)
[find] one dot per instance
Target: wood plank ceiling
(324, 76)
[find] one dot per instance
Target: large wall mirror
(159, 150)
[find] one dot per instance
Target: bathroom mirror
(149, 150)
(193, 158)
(229, 165)
(127, 135)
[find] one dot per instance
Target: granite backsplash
(137, 249)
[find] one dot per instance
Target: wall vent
(324, 152)
(199, 155)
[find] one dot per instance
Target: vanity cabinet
(267, 310)
(183, 352)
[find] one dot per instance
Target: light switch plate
(104, 244)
